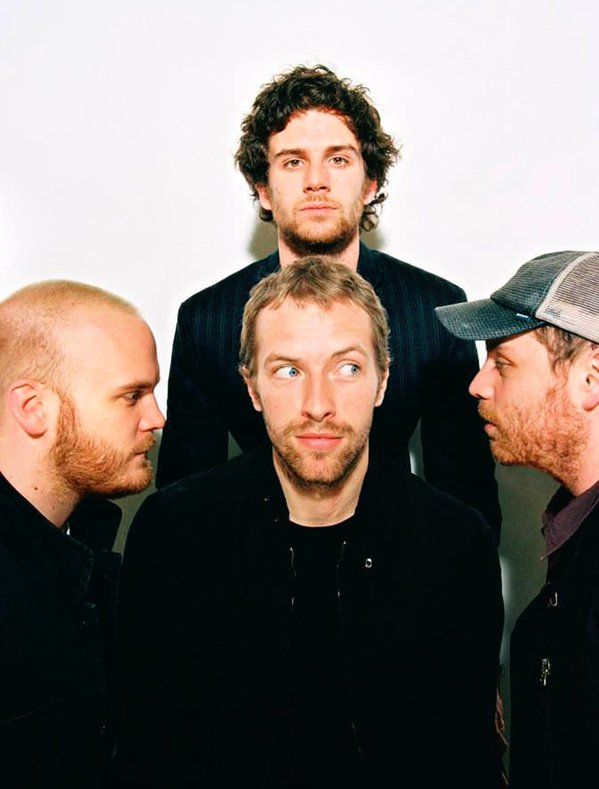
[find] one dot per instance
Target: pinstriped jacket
(429, 379)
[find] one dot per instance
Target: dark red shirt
(564, 514)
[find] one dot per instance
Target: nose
(481, 385)
(317, 178)
(152, 418)
(318, 399)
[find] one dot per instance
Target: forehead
(107, 347)
(524, 347)
(307, 330)
(313, 128)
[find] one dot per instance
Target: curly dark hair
(301, 89)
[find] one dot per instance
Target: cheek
(280, 403)
(358, 405)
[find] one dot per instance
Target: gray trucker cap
(560, 289)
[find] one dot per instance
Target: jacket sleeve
(157, 710)
(195, 436)
(463, 669)
(455, 449)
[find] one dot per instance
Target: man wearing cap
(538, 394)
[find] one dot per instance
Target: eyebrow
(137, 385)
(303, 151)
(275, 357)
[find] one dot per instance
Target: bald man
(77, 415)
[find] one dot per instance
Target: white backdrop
(119, 121)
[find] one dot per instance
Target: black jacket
(554, 668)
(206, 612)
(57, 628)
(430, 374)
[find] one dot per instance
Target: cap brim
(484, 320)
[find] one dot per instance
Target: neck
(40, 489)
(580, 473)
(585, 478)
(322, 506)
(347, 256)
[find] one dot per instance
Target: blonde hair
(32, 321)
(317, 281)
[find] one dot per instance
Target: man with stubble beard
(310, 614)
(77, 375)
(538, 394)
(316, 158)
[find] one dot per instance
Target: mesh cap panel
(572, 302)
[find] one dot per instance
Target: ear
(252, 390)
(380, 395)
(590, 371)
(264, 196)
(370, 190)
(30, 402)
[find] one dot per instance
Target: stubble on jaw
(314, 237)
(315, 472)
(335, 243)
(81, 464)
(550, 437)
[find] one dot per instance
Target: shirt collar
(564, 515)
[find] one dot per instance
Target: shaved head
(36, 322)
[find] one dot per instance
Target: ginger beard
(314, 471)
(548, 435)
(85, 464)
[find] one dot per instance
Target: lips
(318, 206)
(144, 447)
(319, 441)
(490, 427)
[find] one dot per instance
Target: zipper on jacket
(339, 560)
(294, 574)
(352, 723)
(545, 671)
(354, 732)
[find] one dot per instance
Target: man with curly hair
(316, 158)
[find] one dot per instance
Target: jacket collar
(40, 542)
(384, 482)
(368, 265)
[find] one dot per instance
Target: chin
(124, 486)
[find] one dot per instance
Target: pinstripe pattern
(430, 373)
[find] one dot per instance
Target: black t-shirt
(316, 746)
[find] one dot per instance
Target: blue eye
(288, 371)
(349, 369)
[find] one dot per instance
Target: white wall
(119, 120)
